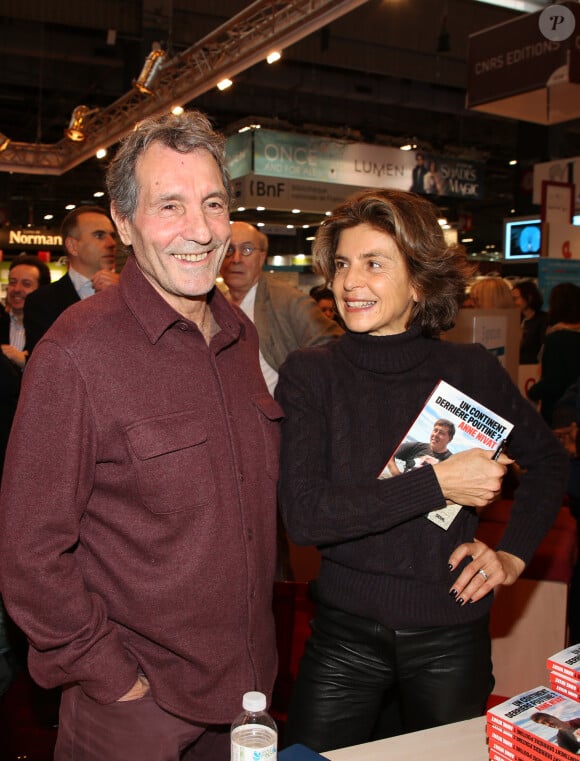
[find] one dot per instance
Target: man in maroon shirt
(138, 513)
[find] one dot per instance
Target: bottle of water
(254, 735)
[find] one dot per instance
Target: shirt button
(183, 326)
(241, 476)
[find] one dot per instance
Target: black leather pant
(360, 681)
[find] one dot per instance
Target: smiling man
(419, 453)
(26, 274)
(139, 559)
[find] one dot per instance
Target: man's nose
(237, 255)
(196, 228)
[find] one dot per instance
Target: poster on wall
(557, 202)
(491, 332)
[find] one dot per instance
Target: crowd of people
(162, 426)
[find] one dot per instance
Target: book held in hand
(449, 422)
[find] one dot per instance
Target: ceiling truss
(237, 45)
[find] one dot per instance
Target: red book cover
(563, 690)
(542, 721)
(566, 662)
(565, 681)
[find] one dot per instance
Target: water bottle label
(253, 742)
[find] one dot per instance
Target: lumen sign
(308, 159)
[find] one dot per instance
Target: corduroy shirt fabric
(348, 405)
(138, 513)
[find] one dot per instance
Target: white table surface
(463, 741)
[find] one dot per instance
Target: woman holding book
(400, 638)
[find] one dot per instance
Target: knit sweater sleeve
(318, 508)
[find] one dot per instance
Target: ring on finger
(483, 573)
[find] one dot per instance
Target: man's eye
(216, 206)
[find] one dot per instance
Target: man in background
(286, 319)
(90, 242)
(26, 274)
(418, 174)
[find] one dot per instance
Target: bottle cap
(254, 701)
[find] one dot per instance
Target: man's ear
(121, 225)
(71, 245)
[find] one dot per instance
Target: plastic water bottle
(254, 735)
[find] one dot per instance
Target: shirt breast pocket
(172, 463)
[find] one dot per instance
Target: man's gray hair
(184, 133)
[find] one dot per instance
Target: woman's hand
(471, 478)
(488, 569)
(138, 690)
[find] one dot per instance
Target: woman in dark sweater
(534, 320)
(560, 357)
(400, 638)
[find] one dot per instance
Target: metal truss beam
(240, 43)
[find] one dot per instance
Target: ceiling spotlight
(101, 153)
(248, 127)
(513, 162)
(48, 217)
(177, 110)
(98, 193)
(523, 6)
(409, 146)
(76, 130)
(224, 84)
(150, 71)
(274, 56)
(4, 142)
(70, 206)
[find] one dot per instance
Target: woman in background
(534, 321)
(560, 358)
(400, 637)
(491, 293)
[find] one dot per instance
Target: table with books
(541, 724)
(463, 741)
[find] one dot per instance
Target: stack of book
(564, 668)
(538, 725)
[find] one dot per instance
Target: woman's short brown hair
(439, 272)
